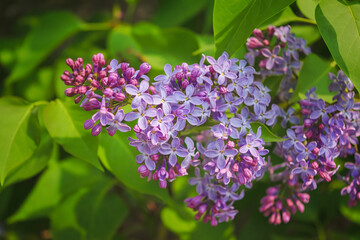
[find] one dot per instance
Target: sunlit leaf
(20, 134)
(65, 122)
(234, 20)
(119, 158)
(339, 25)
(52, 29)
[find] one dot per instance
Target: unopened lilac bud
(235, 167)
(184, 84)
(308, 134)
(129, 72)
(314, 165)
(102, 74)
(134, 82)
(247, 173)
(78, 98)
(286, 216)
(70, 92)
(82, 89)
(262, 63)
(325, 176)
(119, 97)
(271, 30)
(305, 103)
(266, 42)
(96, 129)
(258, 33)
(95, 84)
(105, 81)
(179, 76)
(321, 126)
(213, 222)
(230, 144)
(121, 81)
(88, 124)
(79, 80)
(88, 69)
(211, 70)
(171, 174)
(78, 63)
(304, 197)
(300, 206)
(155, 157)
(66, 78)
(254, 43)
(113, 77)
(291, 205)
(152, 90)
(70, 63)
(137, 129)
(144, 172)
(330, 165)
(144, 68)
(223, 90)
(308, 123)
(278, 204)
(108, 68)
(162, 184)
(124, 66)
(108, 92)
(315, 151)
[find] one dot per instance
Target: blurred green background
(54, 194)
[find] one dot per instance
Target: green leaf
(307, 7)
(285, 16)
(314, 73)
(189, 228)
(65, 123)
(168, 9)
(339, 25)
(58, 181)
(119, 158)
(90, 213)
(20, 134)
(266, 134)
(176, 223)
(273, 83)
(121, 43)
(234, 20)
(52, 29)
(353, 214)
(207, 45)
(310, 33)
(39, 160)
(163, 46)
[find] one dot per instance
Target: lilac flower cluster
(279, 208)
(277, 51)
(222, 96)
(328, 131)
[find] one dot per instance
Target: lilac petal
(230, 152)
(123, 127)
(96, 116)
(221, 161)
(190, 90)
(119, 115)
(147, 98)
(144, 85)
(168, 69)
(297, 170)
(192, 120)
(266, 52)
(270, 63)
(179, 96)
(166, 108)
(150, 164)
(135, 102)
(131, 89)
(186, 162)
(131, 116)
(172, 159)
(196, 100)
(165, 149)
(143, 123)
(244, 149)
(182, 152)
(168, 118)
(160, 78)
(211, 153)
(254, 152)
